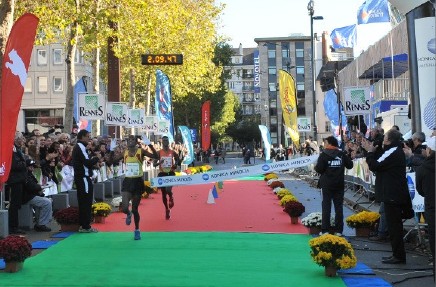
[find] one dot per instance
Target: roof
(383, 68)
(329, 69)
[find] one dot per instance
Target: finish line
(227, 174)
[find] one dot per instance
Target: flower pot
(70, 227)
(363, 231)
(330, 271)
(99, 219)
(314, 230)
(294, 220)
(12, 267)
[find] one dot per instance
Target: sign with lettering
(150, 124)
(136, 117)
(304, 124)
(357, 100)
(256, 71)
(91, 106)
(116, 114)
(163, 127)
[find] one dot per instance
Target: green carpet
(174, 259)
(252, 177)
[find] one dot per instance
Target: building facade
(45, 92)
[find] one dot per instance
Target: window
(42, 57)
(285, 53)
(231, 85)
(57, 84)
(271, 54)
(300, 86)
(328, 126)
(42, 84)
(300, 70)
(57, 56)
(272, 71)
(78, 57)
(272, 87)
(299, 53)
(28, 85)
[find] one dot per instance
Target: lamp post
(311, 10)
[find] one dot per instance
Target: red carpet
(243, 206)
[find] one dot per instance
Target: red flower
(15, 248)
(68, 215)
(277, 183)
(294, 208)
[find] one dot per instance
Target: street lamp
(311, 10)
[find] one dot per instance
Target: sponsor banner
(150, 124)
(116, 114)
(187, 141)
(193, 135)
(256, 71)
(266, 137)
(163, 128)
(288, 99)
(304, 124)
(426, 58)
(136, 117)
(222, 175)
(357, 100)
(417, 199)
(163, 101)
(90, 106)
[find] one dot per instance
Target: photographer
(413, 149)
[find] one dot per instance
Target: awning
(330, 69)
(383, 69)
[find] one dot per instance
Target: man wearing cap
(34, 195)
(425, 185)
(331, 164)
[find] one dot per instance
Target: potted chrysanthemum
(363, 222)
(100, 211)
(313, 221)
(333, 252)
(68, 218)
(294, 209)
(14, 250)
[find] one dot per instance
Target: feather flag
(214, 192)
(266, 138)
(163, 101)
(16, 59)
(205, 126)
(344, 37)
(288, 99)
(187, 141)
(373, 11)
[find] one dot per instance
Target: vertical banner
(90, 107)
(205, 126)
(136, 118)
(116, 114)
(288, 99)
(80, 88)
(256, 71)
(266, 138)
(187, 141)
(163, 101)
(15, 64)
(426, 53)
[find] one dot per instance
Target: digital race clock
(162, 59)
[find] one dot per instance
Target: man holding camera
(414, 149)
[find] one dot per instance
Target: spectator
(34, 195)
(331, 165)
(16, 181)
(414, 150)
(425, 186)
(391, 188)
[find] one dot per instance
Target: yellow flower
(362, 219)
(331, 250)
(101, 209)
(287, 198)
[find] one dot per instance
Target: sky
(244, 20)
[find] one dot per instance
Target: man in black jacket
(331, 165)
(391, 188)
(34, 195)
(83, 165)
(425, 185)
(16, 180)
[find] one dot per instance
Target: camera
(408, 143)
(59, 127)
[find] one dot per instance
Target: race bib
(132, 169)
(166, 161)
